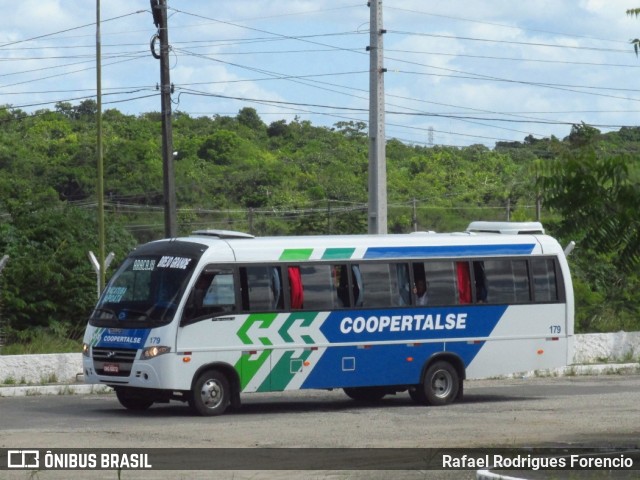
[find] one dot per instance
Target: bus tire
(131, 401)
(211, 394)
(439, 386)
(365, 394)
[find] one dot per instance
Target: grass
(44, 380)
(41, 340)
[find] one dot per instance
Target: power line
(522, 82)
(39, 79)
(316, 45)
(516, 59)
(475, 76)
(390, 112)
(494, 24)
(278, 35)
(508, 42)
(69, 29)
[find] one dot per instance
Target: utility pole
(377, 151)
(159, 11)
(415, 216)
(100, 154)
(3, 323)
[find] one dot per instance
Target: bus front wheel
(439, 386)
(211, 394)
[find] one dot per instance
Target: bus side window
(321, 286)
(262, 288)
(380, 286)
(507, 281)
(464, 282)
(545, 284)
(213, 292)
(372, 284)
(221, 292)
(440, 278)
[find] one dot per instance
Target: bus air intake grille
(113, 361)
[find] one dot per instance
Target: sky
(458, 72)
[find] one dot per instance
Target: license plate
(111, 368)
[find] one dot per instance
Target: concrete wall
(620, 347)
(40, 369)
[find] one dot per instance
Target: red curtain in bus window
(295, 285)
(464, 282)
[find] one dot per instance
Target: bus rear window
(545, 284)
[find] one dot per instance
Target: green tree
(49, 278)
(634, 12)
(595, 191)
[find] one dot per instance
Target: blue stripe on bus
(428, 323)
(397, 364)
(351, 366)
(448, 250)
(133, 338)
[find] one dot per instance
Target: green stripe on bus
(296, 254)
(245, 365)
(283, 372)
(266, 319)
(338, 253)
(248, 368)
(306, 319)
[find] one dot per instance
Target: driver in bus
(420, 291)
(196, 304)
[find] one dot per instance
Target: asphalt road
(596, 411)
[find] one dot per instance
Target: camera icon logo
(23, 459)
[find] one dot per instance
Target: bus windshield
(144, 292)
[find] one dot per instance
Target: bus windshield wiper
(104, 310)
(142, 315)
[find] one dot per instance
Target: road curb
(83, 389)
(57, 389)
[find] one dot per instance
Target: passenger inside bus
(419, 284)
(420, 291)
(481, 282)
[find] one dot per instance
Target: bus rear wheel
(365, 394)
(131, 401)
(211, 394)
(440, 385)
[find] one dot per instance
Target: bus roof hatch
(512, 228)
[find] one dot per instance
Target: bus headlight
(152, 352)
(86, 350)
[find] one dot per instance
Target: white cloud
(438, 56)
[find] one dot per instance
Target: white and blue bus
(206, 318)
